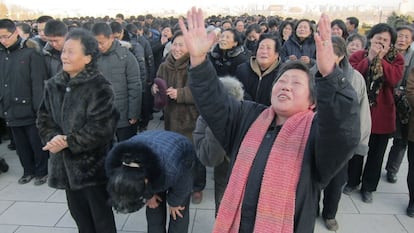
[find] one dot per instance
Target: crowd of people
(283, 109)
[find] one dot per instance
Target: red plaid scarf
(276, 206)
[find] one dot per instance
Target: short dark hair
(25, 27)
(298, 65)
(253, 27)
(7, 24)
(44, 19)
(56, 28)
(276, 39)
(236, 35)
(380, 28)
(89, 43)
(102, 29)
(353, 20)
(116, 27)
(119, 15)
(341, 24)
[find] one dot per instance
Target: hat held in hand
(160, 98)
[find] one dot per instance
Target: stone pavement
(31, 209)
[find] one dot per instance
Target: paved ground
(30, 209)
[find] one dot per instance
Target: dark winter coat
(174, 157)
(293, 46)
(383, 114)
(333, 137)
(83, 109)
(180, 115)
(226, 61)
(139, 53)
(22, 75)
(257, 84)
(52, 60)
(120, 67)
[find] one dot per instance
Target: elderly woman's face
(382, 39)
(404, 39)
(266, 53)
(73, 57)
(178, 47)
(226, 40)
(291, 93)
(303, 30)
(354, 46)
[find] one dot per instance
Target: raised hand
(196, 38)
(325, 57)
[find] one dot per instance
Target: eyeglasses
(6, 37)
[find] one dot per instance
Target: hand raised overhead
(195, 36)
(325, 57)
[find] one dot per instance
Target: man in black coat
(22, 72)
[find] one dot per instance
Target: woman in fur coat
(77, 121)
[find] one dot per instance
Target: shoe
(4, 167)
(197, 197)
(348, 190)
(391, 177)
(331, 224)
(410, 211)
(40, 180)
(25, 179)
(366, 196)
(11, 146)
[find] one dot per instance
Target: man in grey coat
(121, 68)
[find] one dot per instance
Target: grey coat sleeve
(208, 149)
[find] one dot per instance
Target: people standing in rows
(77, 122)
(180, 112)
(339, 28)
(228, 53)
(209, 151)
(56, 32)
(405, 36)
(118, 32)
(382, 67)
(285, 30)
(258, 74)
(41, 38)
(22, 75)
(280, 155)
(332, 192)
(355, 42)
(136, 32)
(120, 67)
(352, 24)
(300, 45)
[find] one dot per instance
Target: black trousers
(220, 182)
(29, 149)
(373, 166)
(332, 194)
(410, 176)
(146, 106)
(90, 210)
(398, 149)
(126, 132)
(199, 173)
(157, 218)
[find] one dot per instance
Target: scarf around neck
(276, 204)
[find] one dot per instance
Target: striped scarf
(276, 205)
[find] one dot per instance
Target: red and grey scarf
(276, 206)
